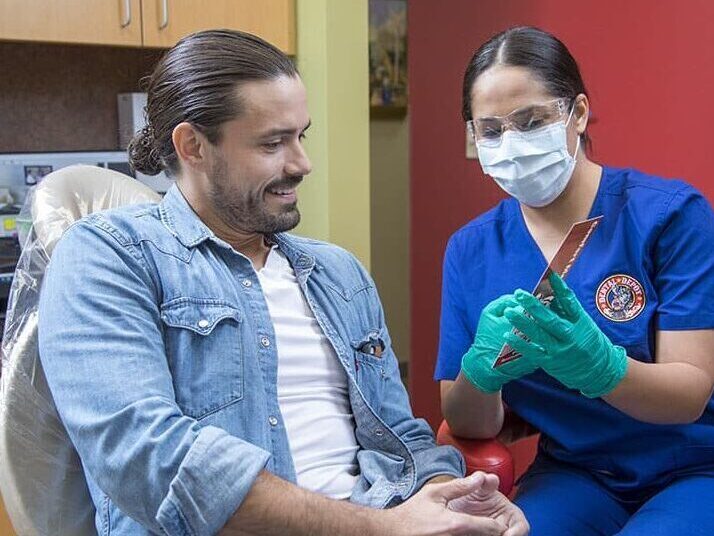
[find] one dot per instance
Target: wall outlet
(130, 109)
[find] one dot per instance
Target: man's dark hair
(196, 82)
(538, 51)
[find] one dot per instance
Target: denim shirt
(160, 353)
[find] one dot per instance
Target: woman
(618, 373)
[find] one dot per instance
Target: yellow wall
(332, 45)
(389, 139)
(358, 193)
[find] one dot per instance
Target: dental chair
(507, 456)
(41, 477)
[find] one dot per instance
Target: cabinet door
(101, 22)
(5, 525)
(167, 21)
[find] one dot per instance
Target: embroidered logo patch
(620, 298)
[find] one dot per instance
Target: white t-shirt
(312, 387)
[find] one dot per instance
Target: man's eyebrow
(283, 131)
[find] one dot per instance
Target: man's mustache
(285, 183)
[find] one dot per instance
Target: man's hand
(274, 506)
(429, 512)
(485, 500)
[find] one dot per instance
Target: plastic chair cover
(41, 477)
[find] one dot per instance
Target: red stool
(489, 455)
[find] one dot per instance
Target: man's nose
(299, 163)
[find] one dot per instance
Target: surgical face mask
(534, 167)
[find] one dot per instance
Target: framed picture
(388, 58)
(34, 174)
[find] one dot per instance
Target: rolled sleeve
(434, 461)
(430, 460)
(455, 335)
(684, 262)
(217, 465)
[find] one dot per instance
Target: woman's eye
(533, 124)
(490, 132)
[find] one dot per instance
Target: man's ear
(190, 145)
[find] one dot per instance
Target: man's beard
(248, 211)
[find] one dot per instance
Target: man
(216, 373)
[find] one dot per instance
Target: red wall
(649, 70)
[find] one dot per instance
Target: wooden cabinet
(5, 525)
(149, 23)
(167, 21)
(101, 22)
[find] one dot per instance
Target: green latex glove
(576, 352)
(477, 363)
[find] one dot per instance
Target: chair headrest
(68, 194)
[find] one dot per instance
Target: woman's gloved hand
(576, 352)
(477, 363)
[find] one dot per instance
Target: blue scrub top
(648, 266)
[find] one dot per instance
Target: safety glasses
(488, 130)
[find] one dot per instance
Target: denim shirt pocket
(369, 353)
(203, 343)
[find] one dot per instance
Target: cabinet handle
(164, 14)
(126, 19)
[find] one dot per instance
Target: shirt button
(203, 323)
(379, 432)
(247, 283)
(272, 420)
(265, 341)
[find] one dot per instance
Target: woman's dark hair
(196, 82)
(540, 52)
